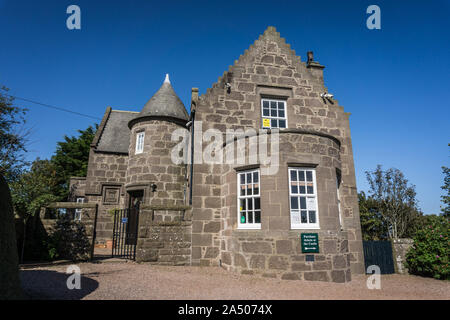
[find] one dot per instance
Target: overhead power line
(53, 107)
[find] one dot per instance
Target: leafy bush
(68, 240)
(429, 255)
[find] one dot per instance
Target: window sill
(252, 227)
(305, 228)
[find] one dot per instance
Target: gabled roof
(164, 103)
(113, 134)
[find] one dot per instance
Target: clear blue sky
(394, 81)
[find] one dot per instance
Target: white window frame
(311, 205)
(140, 143)
(77, 216)
(240, 197)
(270, 117)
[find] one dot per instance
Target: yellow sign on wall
(266, 123)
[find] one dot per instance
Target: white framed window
(77, 215)
(303, 198)
(140, 142)
(249, 199)
(274, 113)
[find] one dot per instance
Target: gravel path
(143, 281)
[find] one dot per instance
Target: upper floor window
(140, 142)
(303, 198)
(273, 113)
(249, 203)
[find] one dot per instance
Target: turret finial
(167, 80)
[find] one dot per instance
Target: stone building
(237, 215)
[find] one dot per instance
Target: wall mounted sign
(124, 220)
(310, 242)
(266, 123)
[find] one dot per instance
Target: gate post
(94, 232)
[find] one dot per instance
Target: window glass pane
(280, 105)
(302, 203)
(294, 203)
(242, 190)
(274, 123)
(257, 203)
(302, 189)
(255, 176)
(243, 220)
(310, 189)
(242, 178)
(250, 217)
(281, 113)
(273, 112)
(250, 204)
(301, 175)
(256, 189)
(294, 188)
(282, 123)
(273, 104)
(312, 216)
(303, 217)
(249, 190)
(265, 104)
(293, 175)
(249, 178)
(308, 175)
(266, 112)
(243, 206)
(257, 216)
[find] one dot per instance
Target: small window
(77, 215)
(273, 113)
(338, 184)
(303, 198)
(140, 142)
(249, 201)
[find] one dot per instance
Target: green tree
(13, 136)
(71, 159)
(430, 253)
(32, 190)
(396, 201)
(373, 226)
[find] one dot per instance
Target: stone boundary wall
(87, 217)
(399, 249)
(278, 255)
(163, 242)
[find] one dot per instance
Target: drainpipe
(194, 100)
(192, 156)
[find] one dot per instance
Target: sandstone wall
(271, 68)
(155, 164)
(163, 242)
(400, 247)
(105, 182)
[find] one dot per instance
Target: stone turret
(150, 166)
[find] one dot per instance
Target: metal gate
(125, 233)
(379, 253)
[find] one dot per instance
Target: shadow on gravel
(52, 285)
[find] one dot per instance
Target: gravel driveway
(143, 281)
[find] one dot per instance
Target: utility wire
(53, 107)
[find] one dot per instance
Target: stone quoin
(233, 215)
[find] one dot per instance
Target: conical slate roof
(164, 103)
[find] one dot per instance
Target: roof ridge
(115, 110)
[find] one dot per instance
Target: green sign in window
(310, 242)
